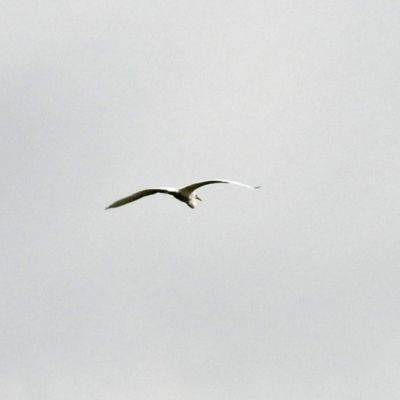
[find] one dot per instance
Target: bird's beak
(198, 198)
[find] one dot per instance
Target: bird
(186, 194)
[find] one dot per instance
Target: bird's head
(197, 197)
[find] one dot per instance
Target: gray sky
(288, 292)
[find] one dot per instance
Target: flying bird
(186, 194)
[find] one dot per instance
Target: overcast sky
(288, 292)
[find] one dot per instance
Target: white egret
(186, 194)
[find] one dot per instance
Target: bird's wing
(139, 195)
(194, 186)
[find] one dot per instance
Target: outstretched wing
(194, 186)
(139, 195)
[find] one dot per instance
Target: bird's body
(186, 194)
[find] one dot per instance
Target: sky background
(288, 292)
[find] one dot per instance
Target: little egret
(185, 194)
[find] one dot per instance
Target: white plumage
(186, 194)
